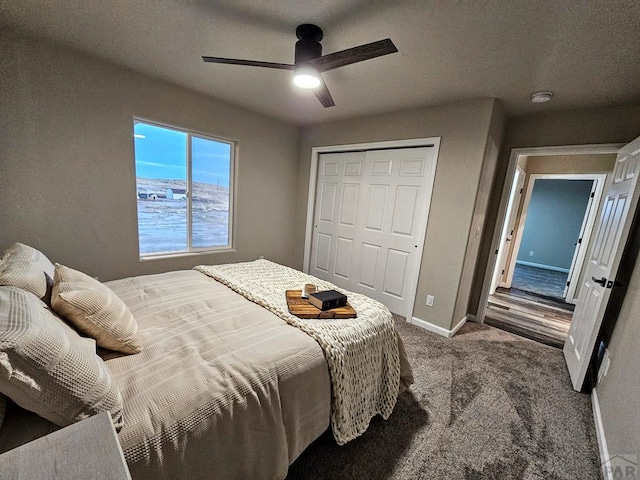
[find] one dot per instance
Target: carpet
(540, 281)
(486, 404)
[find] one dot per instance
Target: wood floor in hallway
(542, 319)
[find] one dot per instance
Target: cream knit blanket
(362, 352)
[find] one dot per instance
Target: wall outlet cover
(430, 299)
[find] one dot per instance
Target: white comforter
(223, 388)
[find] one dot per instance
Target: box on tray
(327, 299)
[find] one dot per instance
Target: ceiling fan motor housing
(308, 46)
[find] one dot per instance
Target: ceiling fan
(310, 63)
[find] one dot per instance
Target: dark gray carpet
(485, 405)
(540, 281)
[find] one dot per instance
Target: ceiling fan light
(305, 76)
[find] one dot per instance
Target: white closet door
(370, 222)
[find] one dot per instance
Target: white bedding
(223, 389)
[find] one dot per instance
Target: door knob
(602, 281)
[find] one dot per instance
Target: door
(581, 242)
(507, 230)
(370, 221)
(602, 262)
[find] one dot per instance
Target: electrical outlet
(604, 366)
(531, 253)
(430, 299)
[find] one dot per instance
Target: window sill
(164, 256)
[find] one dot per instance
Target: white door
(507, 231)
(581, 243)
(370, 221)
(602, 262)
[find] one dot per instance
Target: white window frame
(190, 251)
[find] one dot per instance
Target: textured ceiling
(586, 51)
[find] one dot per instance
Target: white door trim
(600, 435)
(511, 217)
(356, 147)
(514, 156)
(589, 216)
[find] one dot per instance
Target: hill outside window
(184, 190)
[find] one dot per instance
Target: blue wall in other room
(554, 218)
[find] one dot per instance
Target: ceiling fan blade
(354, 55)
(250, 63)
(322, 94)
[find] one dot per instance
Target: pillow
(47, 368)
(27, 268)
(95, 310)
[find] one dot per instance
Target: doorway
(545, 229)
(552, 232)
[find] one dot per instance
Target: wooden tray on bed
(300, 307)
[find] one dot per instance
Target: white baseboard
(602, 440)
(541, 265)
(437, 329)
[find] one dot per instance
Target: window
(184, 183)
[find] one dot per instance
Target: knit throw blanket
(362, 352)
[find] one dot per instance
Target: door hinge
(511, 232)
(568, 283)
(592, 194)
(496, 251)
(579, 241)
(521, 191)
(502, 272)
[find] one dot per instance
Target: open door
(579, 254)
(507, 231)
(603, 261)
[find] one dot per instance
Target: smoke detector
(541, 97)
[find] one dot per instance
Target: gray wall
(553, 223)
(480, 211)
(67, 172)
(619, 390)
(583, 163)
(464, 129)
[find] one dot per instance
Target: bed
(229, 384)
